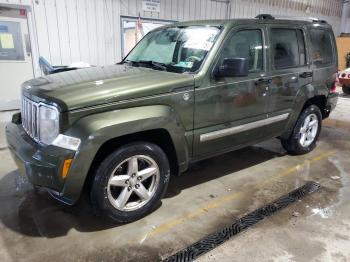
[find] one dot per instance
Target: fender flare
(95, 130)
(305, 93)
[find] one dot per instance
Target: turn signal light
(66, 165)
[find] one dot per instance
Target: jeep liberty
(186, 92)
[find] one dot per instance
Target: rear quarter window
(322, 47)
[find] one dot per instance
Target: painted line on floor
(220, 201)
(295, 168)
(213, 240)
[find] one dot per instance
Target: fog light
(66, 165)
(68, 142)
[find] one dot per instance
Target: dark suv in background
(186, 92)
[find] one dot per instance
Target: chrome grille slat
(26, 114)
(30, 118)
(33, 122)
(23, 113)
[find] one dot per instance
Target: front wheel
(130, 182)
(305, 133)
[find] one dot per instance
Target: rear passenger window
(288, 48)
(322, 48)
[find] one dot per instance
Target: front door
(15, 56)
(231, 111)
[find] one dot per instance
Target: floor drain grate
(213, 240)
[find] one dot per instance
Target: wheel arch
(102, 132)
(320, 101)
(159, 137)
(303, 101)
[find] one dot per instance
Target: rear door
(289, 70)
(324, 57)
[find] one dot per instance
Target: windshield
(174, 49)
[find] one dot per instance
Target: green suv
(186, 92)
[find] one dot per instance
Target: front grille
(30, 118)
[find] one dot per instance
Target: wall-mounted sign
(6, 41)
(151, 5)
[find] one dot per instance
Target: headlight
(48, 123)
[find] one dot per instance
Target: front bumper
(41, 164)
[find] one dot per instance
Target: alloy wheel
(308, 130)
(133, 183)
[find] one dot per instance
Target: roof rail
(317, 20)
(299, 18)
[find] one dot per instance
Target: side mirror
(233, 67)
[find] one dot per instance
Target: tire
(346, 90)
(118, 190)
(303, 138)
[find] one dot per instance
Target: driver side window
(246, 44)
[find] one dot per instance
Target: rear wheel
(346, 90)
(306, 132)
(130, 182)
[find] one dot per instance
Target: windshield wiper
(158, 65)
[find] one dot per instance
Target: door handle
(306, 74)
(263, 81)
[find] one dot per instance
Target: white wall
(86, 30)
(89, 30)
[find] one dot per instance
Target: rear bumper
(332, 101)
(41, 164)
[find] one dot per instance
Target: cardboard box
(343, 45)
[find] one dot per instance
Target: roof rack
(299, 18)
(264, 16)
(317, 20)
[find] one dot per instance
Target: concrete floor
(36, 228)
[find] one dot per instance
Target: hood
(99, 85)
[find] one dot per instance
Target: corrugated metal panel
(89, 30)
(53, 30)
(42, 31)
(16, 2)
